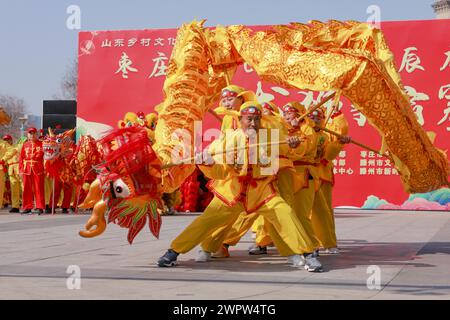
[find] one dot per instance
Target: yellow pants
(302, 204)
(14, 181)
(2, 186)
(48, 187)
(323, 217)
(290, 236)
(256, 222)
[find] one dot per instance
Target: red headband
(227, 93)
(289, 108)
(250, 111)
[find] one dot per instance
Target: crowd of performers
(47, 173)
(290, 208)
(28, 181)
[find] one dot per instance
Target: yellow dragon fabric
(348, 56)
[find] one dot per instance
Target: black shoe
(48, 210)
(65, 210)
(26, 211)
(13, 210)
(169, 259)
(39, 211)
(257, 250)
(315, 253)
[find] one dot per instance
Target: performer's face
(32, 136)
(317, 117)
(289, 116)
(232, 103)
(250, 122)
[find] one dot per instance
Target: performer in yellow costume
(243, 187)
(232, 97)
(322, 216)
(271, 120)
(11, 158)
(297, 185)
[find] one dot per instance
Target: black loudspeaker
(59, 113)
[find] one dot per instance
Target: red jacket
(31, 158)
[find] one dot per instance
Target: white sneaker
(203, 256)
(332, 251)
(313, 264)
(296, 260)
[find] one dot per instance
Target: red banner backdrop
(122, 71)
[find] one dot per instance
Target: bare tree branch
(16, 108)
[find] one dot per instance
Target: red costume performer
(31, 166)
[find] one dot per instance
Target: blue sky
(36, 46)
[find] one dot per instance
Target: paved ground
(412, 251)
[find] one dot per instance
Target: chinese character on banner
(411, 61)
(261, 95)
(159, 42)
(363, 162)
(387, 171)
(335, 162)
(309, 98)
(341, 162)
(125, 66)
(247, 68)
(362, 171)
(145, 42)
(380, 163)
(350, 171)
(119, 43)
(335, 171)
(447, 61)
(387, 163)
(444, 93)
(171, 41)
(371, 163)
(371, 154)
(342, 170)
(159, 69)
(417, 96)
(106, 43)
(132, 42)
(281, 91)
(363, 153)
(371, 171)
(359, 117)
(342, 154)
(394, 171)
(379, 171)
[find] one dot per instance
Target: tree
(16, 108)
(69, 82)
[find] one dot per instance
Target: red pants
(33, 187)
(67, 188)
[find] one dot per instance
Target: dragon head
(128, 185)
(57, 145)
